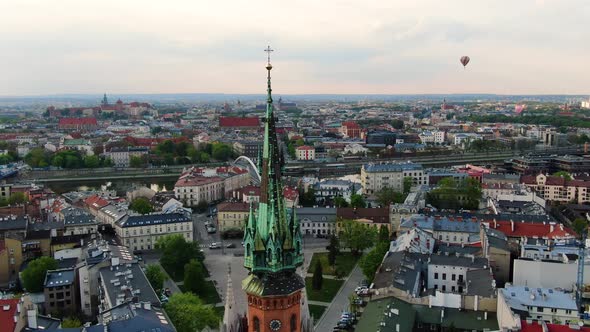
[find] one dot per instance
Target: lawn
(209, 296)
(316, 311)
(329, 289)
(345, 262)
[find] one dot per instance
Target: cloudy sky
(327, 46)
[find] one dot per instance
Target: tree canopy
(141, 205)
(456, 194)
(176, 253)
(194, 277)
(155, 276)
(387, 196)
(357, 201)
(318, 277)
(563, 174)
(34, 275)
(189, 314)
(357, 236)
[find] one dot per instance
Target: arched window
(256, 324)
(269, 255)
(248, 249)
(293, 323)
(298, 247)
(289, 259)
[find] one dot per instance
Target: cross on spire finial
(268, 50)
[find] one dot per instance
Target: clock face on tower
(275, 324)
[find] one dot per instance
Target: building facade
(141, 232)
(375, 177)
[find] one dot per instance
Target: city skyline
(339, 47)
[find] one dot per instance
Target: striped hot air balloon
(464, 60)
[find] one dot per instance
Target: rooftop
(58, 278)
(153, 219)
(392, 167)
(521, 297)
(126, 281)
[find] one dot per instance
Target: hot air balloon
(464, 60)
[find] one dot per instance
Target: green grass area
(316, 311)
(329, 289)
(345, 262)
(209, 296)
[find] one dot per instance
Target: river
(120, 186)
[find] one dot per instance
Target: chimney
(32, 319)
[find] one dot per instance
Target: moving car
(215, 245)
(231, 245)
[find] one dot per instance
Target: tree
(397, 124)
(580, 225)
(408, 182)
(383, 236)
(371, 261)
(37, 157)
(194, 276)
(202, 206)
(318, 277)
(221, 152)
(333, 250)
(356, 236)
(135, 161)
(176, 253)
(340, 202)
(189, 314)
(307, 198)
(386, 196)
(17, 198)
(564, 175)
(91, 161)
(71, 322)
(155, 276)
(34, 275)
(141, 205)
(357, 201)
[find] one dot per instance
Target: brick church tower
(272, 244)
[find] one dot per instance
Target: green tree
(356, 236)
(141, 205)
(34, 275)
(176, 253)
(307, 198)
(318, 277)
(189, 314)
(72, 161)
(383, 235)
(194, 277)
(155, 276)
(107, 162)
(221, 152)
(408, 182)
(135, 161)
(357, 201)
(71, 322)
(291, 150)
(17, 198)
(91, 161)
(580, 225)
(204, 157)
(387, 196)
(37, 157)
(6, 159)
(202, 206)
(299, 142)
(340, 202)
(333, 250)
(371, 261)
(397, 124)
(564, 175)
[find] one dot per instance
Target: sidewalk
(340, 301)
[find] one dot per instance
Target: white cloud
(371, 46)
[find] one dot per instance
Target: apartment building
(61, 292)
(558, 189)
(141, 232)
(232, 215)
(305, 152)
(375, 177)
(209, 184)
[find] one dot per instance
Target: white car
(215, 245)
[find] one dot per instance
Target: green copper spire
(272, 240)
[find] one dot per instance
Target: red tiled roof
(196, 181)
(290, 193)
(249, 191)
(537, 229)
(528, 179)
(7, 322)
(233, 207)
(305, 147)
(239, 121)
(77, 122)
(536, 327)
(96, 202)
(350, 124)
(378, 215)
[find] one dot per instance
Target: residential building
(350, 129)
(61, 292)
(542, 304)
(445, 229)
(141, 232)
(121, 156)
(120, 283)
(314, 221)
(239, 123)
(77, 221)
(305, 152)
(464, 139)
(250, 149)
(209, 184)
(432, 137)
(375, 177)
(558, 189)
(232, 215)
(326, 190)
(370, 217)
(11, 259)
(381, 137)
(78, 124)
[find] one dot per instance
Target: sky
(321, 47)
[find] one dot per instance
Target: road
(340, 302)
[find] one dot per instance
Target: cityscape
(402, 176)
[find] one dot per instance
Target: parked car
(211, 230)
(230, 245)
(215, 245)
